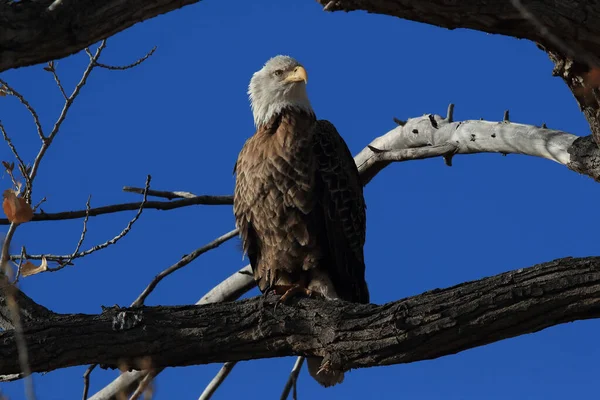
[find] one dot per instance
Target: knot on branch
(125, 320)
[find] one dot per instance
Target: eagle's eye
(278, 72)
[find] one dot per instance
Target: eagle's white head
(280, 84)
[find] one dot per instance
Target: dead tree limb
(431, 325)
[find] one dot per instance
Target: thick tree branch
(577, 30)
(427, 326)
(31, 32)
(230, 289)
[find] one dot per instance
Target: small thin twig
(82, 237)
(47, 141)
(162, 193)
(86, 381)
(293, 379)
(217, 380)
(182, 263)
(22, 166)
(124, 67)
(20, 265)
(52, 69)
(42, 201)
(156, 205)
(103, 245)
(11, 91)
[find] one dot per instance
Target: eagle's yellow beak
(297, 75)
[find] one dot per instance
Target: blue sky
(183, 116)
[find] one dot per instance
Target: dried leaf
(16, 208)
(30, 268)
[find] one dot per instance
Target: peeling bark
(427, 326)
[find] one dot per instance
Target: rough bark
(574, 22)
(32, 33)
(427, 326)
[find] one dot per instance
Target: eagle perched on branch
(298, 199)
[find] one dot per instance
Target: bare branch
(431, 325)
(81, 238)
(293, 379)
(156, 205)
(182, 263)
(170, 195)
(86, 381)
(132, 65)
(217, 380)
(65, 260)
(469, 137)
(52, 69)
(47, 141)
(22, 166)
(11, 91)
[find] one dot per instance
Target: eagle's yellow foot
(288, 291)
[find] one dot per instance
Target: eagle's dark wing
(343, 206)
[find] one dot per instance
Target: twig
(52, 69)
(217, 380)
(22, 166)
(132, 65)
(9, 90)
(182, 263)
(82, 237)
(156, 205)
(100, 246)
(18, 275)
(165, 194)
(47, 141)
(293, 379)
(86, 381)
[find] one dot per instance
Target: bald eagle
(298, 199)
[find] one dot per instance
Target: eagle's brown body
(298, 199)
(300, 209)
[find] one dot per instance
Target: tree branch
(230, 289)
(156, 205)
(26, 39)
(427, 326)
(576, 30)
(436, 135)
